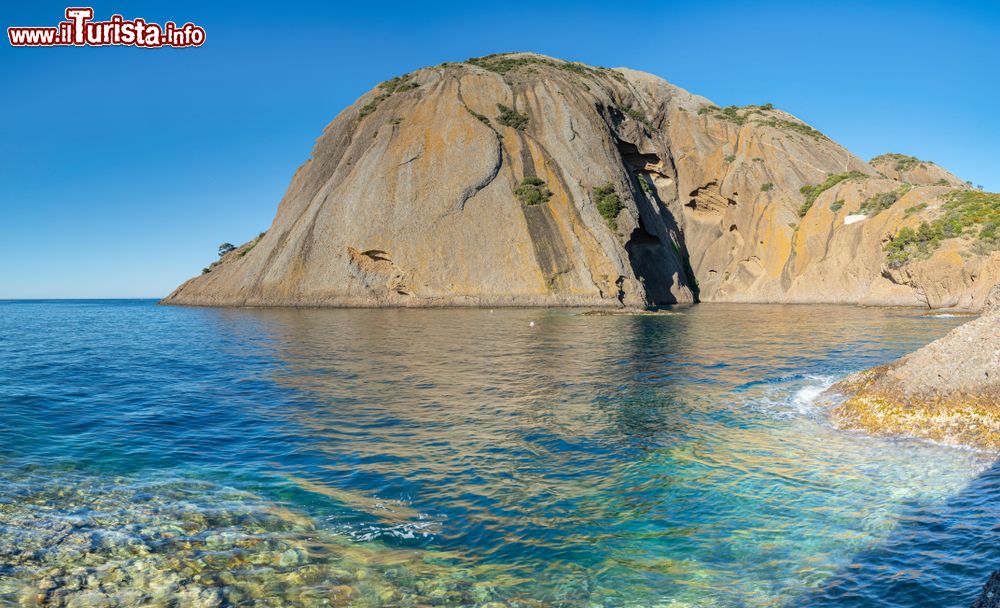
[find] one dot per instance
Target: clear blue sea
(170, 456)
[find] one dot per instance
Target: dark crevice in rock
(636, 160)
(619, 284)
(655, 247)
(649, 259)
(487, 179)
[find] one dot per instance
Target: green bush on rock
(532, 191)
(902, 162)
(812, 192)
(877, 203)
(478, 116)
(511, 118)
(967, 213)
(609, 205)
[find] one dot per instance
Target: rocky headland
(520, 179)
(947, 391)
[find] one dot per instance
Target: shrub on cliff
(877, 203)
(968, 213)
(226, 248)
(609, 205)
(399, 83)
(532, 191)
(909, 244)
(812, 192)
(478, 116)
(511, 118)
(901, 162)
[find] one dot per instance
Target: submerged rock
(519, 179)
(75, 541)
(990, 597)
(947, 391)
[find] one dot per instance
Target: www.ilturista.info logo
(79, 29)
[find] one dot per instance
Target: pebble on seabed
(79, 541)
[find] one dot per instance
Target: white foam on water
(943, 316)
(804, 399)
(409, 530)
(779, 402)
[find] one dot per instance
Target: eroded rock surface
(420, 179)
(947, 391)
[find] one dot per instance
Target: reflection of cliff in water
(553, 440)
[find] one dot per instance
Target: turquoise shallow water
(204, 457)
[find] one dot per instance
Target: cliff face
(525, 180)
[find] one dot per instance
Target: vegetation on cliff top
(741, 115)
(901, 162)
(967, 213)
(227, 248)
(812, 192)
(399, 84)
(791, 125)
(532, 191)
(504, 63)
(735, 114)
(388, 88)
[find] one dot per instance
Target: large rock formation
(524, 180)
(948, 391)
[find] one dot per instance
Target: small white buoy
(491, 311)
(532, 324)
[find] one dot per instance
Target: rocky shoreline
(947, 391)
(990, 598)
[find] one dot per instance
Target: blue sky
(122, 169)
